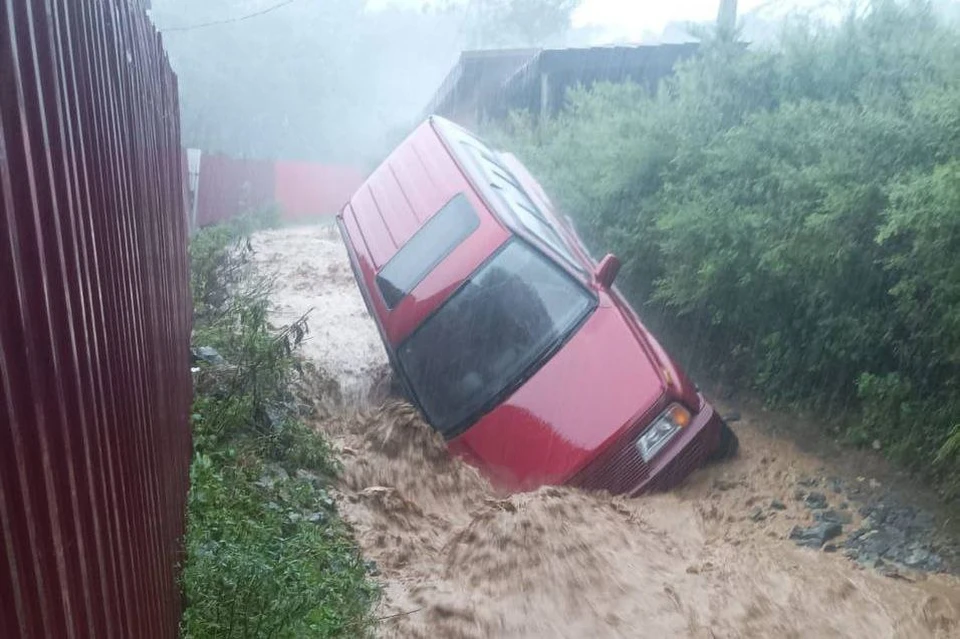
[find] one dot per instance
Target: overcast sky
(631, 19)
(650, 15)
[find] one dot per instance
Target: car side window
(434, 241)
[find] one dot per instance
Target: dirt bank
(456, 559)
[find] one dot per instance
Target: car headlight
(662, 431)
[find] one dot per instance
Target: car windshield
(506, 319)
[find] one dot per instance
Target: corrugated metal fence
(94, 323)
(227, 186)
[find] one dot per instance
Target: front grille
(619, 469)
(691, 457)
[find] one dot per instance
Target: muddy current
(455, 558)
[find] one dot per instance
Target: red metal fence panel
(95, 318)
(306, 190)
(229, 186)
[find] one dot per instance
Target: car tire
(729, 443)
(397, 389)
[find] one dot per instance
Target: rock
(817, 535)
(869, 524)
(882, 541)
(799, 494)
(317, 517)
(868, 560)
(922, 522)
(732, 417)
(851, 553)
(309, 476)
(207, 354)
(276, 416)
(893, 573)
(917, 558)
(835, 485)
(815, 501)
(830, 548)
(835, 516)
(776, 504)
(376, 491)
(874, 484)
(271, 475)
(724, 484)
(757, 514)
(808, 481)
(898, 534)
(876, 444)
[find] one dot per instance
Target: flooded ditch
(711, 559)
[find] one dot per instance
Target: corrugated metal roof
(474, 73)
(495, 82)
(644, 64)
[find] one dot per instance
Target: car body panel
(570, 408)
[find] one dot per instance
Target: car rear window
(493, 332)
(434, 241)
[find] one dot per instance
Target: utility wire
(229, 20)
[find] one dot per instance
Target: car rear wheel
(396, 387)
(729, 443)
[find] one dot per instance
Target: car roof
(515, 197)
(411, 186)
(405, 191)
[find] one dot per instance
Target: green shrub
(789, 220)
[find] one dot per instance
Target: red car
(507, 335)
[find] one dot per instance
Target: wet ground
(714, 558)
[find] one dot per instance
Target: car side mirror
(607, 270)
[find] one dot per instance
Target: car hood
(600, 382)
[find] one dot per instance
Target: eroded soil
(457, 559)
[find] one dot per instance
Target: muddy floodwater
(457, 559)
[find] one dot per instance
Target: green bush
(266, 555)
(789, 220)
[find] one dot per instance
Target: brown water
(459, 560)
